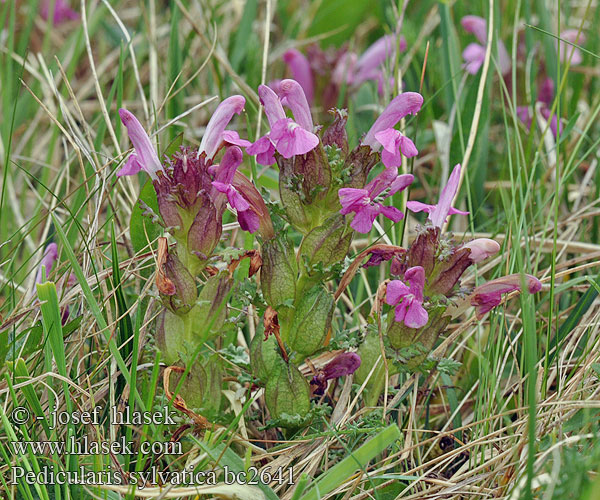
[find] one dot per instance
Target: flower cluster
(328, 192)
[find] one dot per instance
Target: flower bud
(420, 340)
(311, 321)
(287, 393)
(264, 356)
(279, 271)
(210, 312)
(327, 244)
(205, 232)
(359, 163)
(482, 248)
(312, 174)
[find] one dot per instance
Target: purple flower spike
(366, 203)
(487, 296)
(408, 299)
(567, 51)
(213, 136)
(62, 11)
(301, 72)
(440, 212)
(48, 259)
(343, 364)
(481, 249)
(145, 157)
(297, 102)
(395, 145)
(402, 105)
(474, 54)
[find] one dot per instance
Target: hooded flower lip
(402, 105)
(474, 54)
(365, 203)
(567, 51)
(301, 72)
(489, 295)
(213, 136)
(144, 157)
(62, 11)
(408, 299)
(440, 212)
(481, 249)
(297, 102)
(287, 137)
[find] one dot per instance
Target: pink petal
(249, 221)
(272, 104)
(416, 316)
(231, 160)
(567, 51)
(477, 26)
(290, 139)
(417, 206)
(232, 137)
(62, 11)
(391, 213)
(352, 199)
(401, 183)
(388, 138)
(146, 154)
(442, 209)
(213, 136)
(402, 105)
(488, 295)
(344, 69)
(263, 149)
(395, 290)
(297, 102)
(400, 311)
(363, 220)
(416, 278)
(132, 166)
(474, 54)
(374, 57)
(300, 68)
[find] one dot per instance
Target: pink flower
(481, 249)
(224, 176)
(402, 105)
(301, 72)
(215, 130)
(568, 51)
(474, 54)
(144, 157)
(408, 299)
(440, 212)
(395, 145)
(287, 137)
(62, 11)
(365, 203)
(487, 296)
